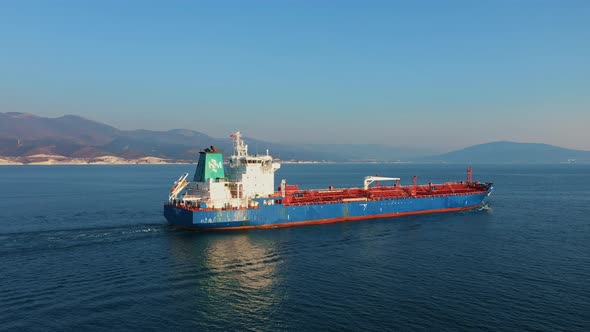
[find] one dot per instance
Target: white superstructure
(244, 177)
(254, 173)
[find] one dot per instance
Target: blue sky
(440, 74)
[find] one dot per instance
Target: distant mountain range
(23, 134)
(511, 152)
(70, 136)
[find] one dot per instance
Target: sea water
(87, 248)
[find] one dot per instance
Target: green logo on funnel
(210, 167)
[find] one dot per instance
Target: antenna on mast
(240, 149)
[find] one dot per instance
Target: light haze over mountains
(23, 135)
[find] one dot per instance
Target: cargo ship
(240, 194)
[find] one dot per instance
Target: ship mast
(240, 149)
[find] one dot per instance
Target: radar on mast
(240, 148)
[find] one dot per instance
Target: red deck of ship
(294, 196)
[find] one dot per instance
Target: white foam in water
(485, 206)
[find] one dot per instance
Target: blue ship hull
(278, 215)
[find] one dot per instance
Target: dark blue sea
(86, 248)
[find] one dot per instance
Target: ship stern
(177, 216)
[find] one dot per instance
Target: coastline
(44, 160)
(47, 160)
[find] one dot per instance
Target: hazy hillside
(76, 137)
(512, 152)
(75, 129)
(73, 136)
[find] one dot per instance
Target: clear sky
(441, 74)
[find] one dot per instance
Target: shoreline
(49, 160)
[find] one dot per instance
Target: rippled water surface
(87, 248)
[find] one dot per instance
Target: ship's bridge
(232, 185)
(255, 173)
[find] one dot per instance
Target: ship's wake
(14, 243)
(485, 207)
